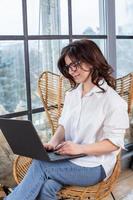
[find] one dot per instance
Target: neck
(86, 87)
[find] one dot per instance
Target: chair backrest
(124, 87)
(52, 88)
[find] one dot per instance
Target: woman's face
(78, 70)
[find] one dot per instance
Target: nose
(71, 71)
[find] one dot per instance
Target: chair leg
(112, 195)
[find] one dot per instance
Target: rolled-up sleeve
(62, 119)
(115, 124)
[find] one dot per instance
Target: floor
(124, 187)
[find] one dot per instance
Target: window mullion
(111, 33)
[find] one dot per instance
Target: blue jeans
(44, 179)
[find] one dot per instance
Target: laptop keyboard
(53, 156)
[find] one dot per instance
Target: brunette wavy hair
(87, 51)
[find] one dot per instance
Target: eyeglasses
(73, 66)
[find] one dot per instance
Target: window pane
(124, 17)
(12, 78)
(47, 17)
(87, 17)
(11, 17)
(43, 56)
(124, 57)
(42, 126)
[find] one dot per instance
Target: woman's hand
(56, 139)
(69, 148)
(49, 146)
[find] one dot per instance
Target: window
(11, 17)
(88, 18)
(12, 77)
(47, 17)
(124, 31)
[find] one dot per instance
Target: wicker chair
(124, 87)
(52, 89)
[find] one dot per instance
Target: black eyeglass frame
(73, 66)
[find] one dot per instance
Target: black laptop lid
(15, 132)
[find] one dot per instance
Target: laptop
(23, 139)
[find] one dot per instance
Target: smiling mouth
(76, 76)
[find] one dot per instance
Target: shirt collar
(95, 90)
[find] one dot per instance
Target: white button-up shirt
(94, 117)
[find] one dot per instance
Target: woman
(93, 123)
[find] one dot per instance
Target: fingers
(48, 147)
(61, 152)
(62, 148)
(60, 145)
